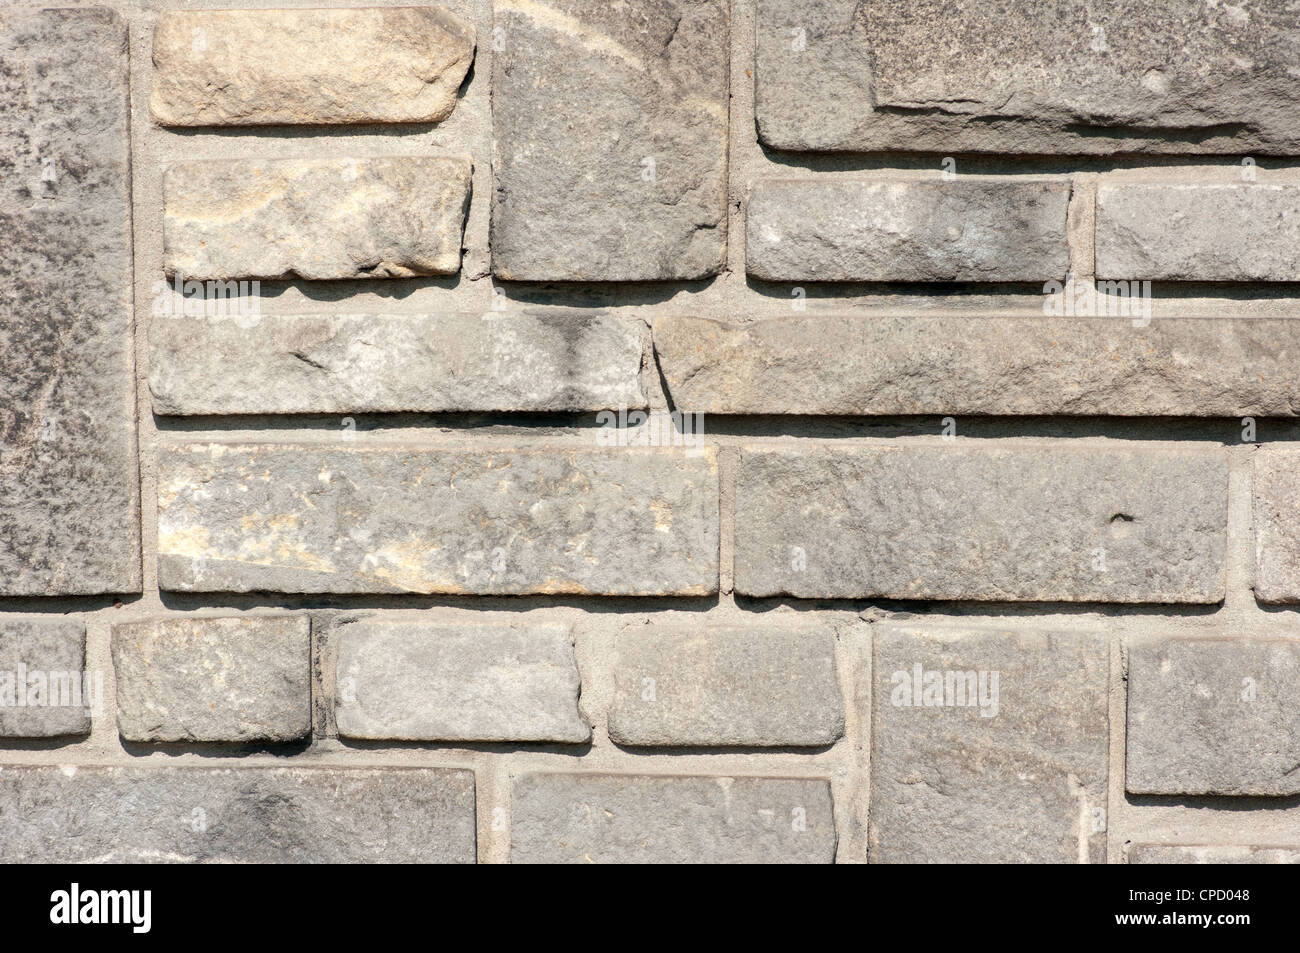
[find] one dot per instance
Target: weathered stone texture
(969, 229)
(1188, 231)
(425, 682)
(610, 145)
(279, 518)
(1178, 76)
(1213, 716)
(747, 686)
(1276, 491)
(269, 67)
(958, 522)
(594, 818)
(863, 364)
(69, 499)
(315, 218)
(1017, 774)
(515, 361)
(66, 814)
(43, 691)
(239, 679)
(1198, 854)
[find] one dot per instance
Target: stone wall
(556, 430)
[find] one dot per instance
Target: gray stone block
(1276, 498)
(1213, 716)
(864, 364)
(424, 682)
(69, 489)
(269, 67)
(962, 522)
(1216, 854)
(317, 219)
(749, 686)
(1177, 76)
(285, 518)
(67, 814)
(636, 819)
(240, 679)
(988, 746)
(972, 228)
(44, 689)
(610, 140)
(271, 364)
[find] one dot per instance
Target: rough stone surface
(238, 679)
(69, 497)
(66, 814)
(968, 229)
(270, 67)
(628, 819)
(315, 218)
(281, 518)
(860, 364)
(42, 665)
(953, 522)
(1276, 491)
(1198, 854)
(951, 783)
(1178, 76)
(1183, 231)
(512, 361)
(425, 682)
(1213, 716)
(748, 686)
(610, 145)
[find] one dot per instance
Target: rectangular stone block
(317, 219)
(973, 228)
(69, 815)
(988, 746)
(69, 489)
(421, 681)
(1134, 76)
(312, 518)
(1276, 497)
(271, 364)
(241, 679)
(726, 686)
(1180, 231)
(862, 364)
(1213, 716)
(1197, 854)
(1041, 524)
(610, 140)
(44, 688)
(271, 67)
(641, 819)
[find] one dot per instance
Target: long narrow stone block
(1213, 716)
(268, 67)
(630, 819)
(310, 518)
(610, 140)
(240, 679)
(1211, 854)
(317, 219)
(988, 746)
(959, 522)
(860, 364)
(44, 688)
(1174, 76)
(271, 364)
(725, 686)
(69, 815)
(1178, 231)
(69, 489)
(424, 682)
(973, 228)
(1276, 493)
